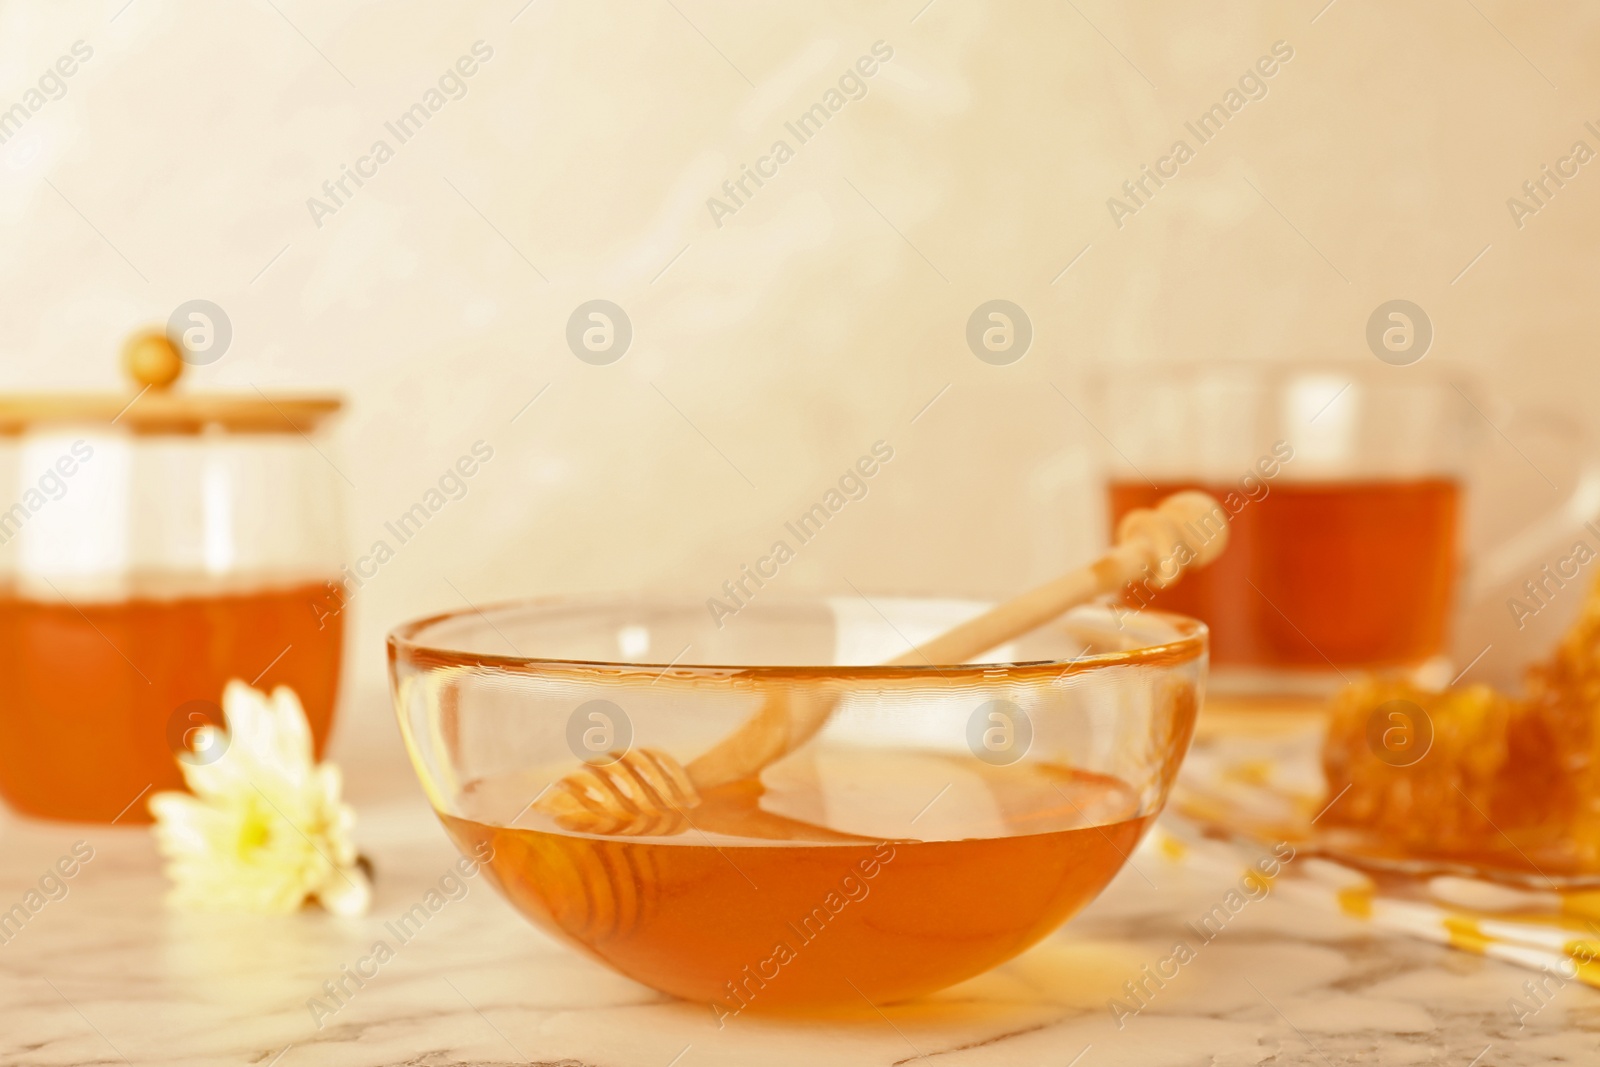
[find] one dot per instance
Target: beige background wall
(773, 350)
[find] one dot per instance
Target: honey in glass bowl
(153, 546)
(945, 819)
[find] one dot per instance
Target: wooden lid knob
(152, 359)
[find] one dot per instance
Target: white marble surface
(106, 975)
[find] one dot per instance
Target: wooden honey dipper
(647, 791)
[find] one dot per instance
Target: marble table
(106, 975)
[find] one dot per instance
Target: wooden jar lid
(155, 364)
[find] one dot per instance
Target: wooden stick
(1186, 530)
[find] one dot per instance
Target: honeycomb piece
(1474, 774)
(1423, 767)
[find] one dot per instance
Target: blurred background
(780, 332)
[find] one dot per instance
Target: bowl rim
(1190, 644)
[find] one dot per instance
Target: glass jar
(153, 546)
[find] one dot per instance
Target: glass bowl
(944, 819)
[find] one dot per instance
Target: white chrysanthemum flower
(265, 829)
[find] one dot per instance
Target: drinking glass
(1345, 487)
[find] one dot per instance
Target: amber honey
(754, 907)
(92, 689)
(1359, 573)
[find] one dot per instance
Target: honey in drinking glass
(1355, 573)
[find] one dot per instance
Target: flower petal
(346, 892)
(266, 829)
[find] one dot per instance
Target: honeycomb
(1473, 774)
